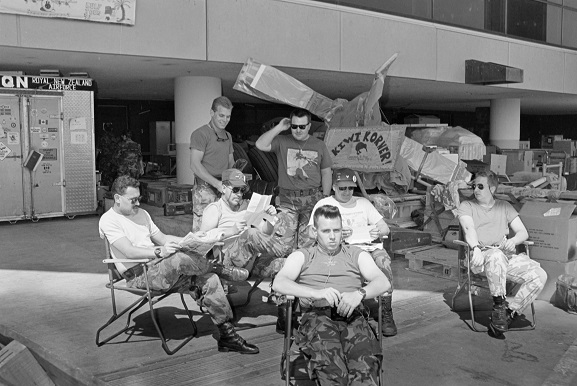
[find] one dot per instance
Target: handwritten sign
(365, 149)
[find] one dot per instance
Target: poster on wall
(365, 149)
(104, 11)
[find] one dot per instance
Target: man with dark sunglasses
(359, 212)
(211, 153)
(227, 216)
(304, 171)
(486, 222)
(133, 235)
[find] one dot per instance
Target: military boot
(230, 273)
(231, 341)
(388, 324)
(499, 318)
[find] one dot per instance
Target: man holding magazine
(175, 262)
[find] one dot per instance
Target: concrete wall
(300, 34)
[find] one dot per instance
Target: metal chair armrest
(528, 242)
(108, 261)
(461, 243)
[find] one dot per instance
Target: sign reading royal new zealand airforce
(365, 149)
(46, 83)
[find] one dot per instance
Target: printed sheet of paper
(193, 243)
(361, 235)
(255, 212)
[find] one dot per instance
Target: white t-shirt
(358, 212)
(115, 226)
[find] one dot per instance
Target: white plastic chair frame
(468, 281)
(146, 296)
(288, 339)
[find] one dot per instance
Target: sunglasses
(343, 188)
(218, 139)
(133, 200)
(237, 189)
(480, 186)
(302, 127)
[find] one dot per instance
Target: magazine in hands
(256, 210)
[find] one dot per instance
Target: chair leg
(287, 341)
(159, 328)
(251, 291)
(142, 300)
(380, 339)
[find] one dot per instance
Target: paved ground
(53, 301)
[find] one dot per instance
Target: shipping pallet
(433, 260)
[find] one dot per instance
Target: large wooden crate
(434, 260)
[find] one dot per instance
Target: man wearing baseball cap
(228, 217)
(359, 212)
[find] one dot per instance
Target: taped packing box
(553, 229)
(518, 160)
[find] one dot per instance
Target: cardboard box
(553, 229)
(548, 140)
(518, 160)
(497, 163)
(524, 144)
(491, 149)
(554, 269)
(415, 119)
(475, 166)
(179, 193)
(567, 145)
(571, 165)
(156, 195)
(401, 238)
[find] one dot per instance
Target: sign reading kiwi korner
(46, 83)
(365, 149)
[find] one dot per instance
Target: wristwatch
(157, 252)
(363, 293)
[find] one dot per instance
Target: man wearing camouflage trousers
(227, 218)
(485, 222)
(304, 171)
(329, 280)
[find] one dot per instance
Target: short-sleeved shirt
(358, 212)
(226, 216)
(320, 271)
(115, 226)
(216, 153)
(492, 224)
(300, 162)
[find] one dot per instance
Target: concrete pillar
(505, 121)
(193, 96)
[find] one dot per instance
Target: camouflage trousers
(297, 211)
(189, 273)
(273, 252)
(339, 353)
(383, 261)
(527, 276)
(202, 195)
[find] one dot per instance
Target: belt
(302, 192)
(332, 313)
(132, 272)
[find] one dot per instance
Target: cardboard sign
(365, 149)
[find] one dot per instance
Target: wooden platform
(434, 260)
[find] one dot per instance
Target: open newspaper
(256, 210)
(198, 244)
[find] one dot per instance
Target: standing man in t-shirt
(211, 153)
(304, 174)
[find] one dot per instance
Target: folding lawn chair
(468, 280)
(145, 296)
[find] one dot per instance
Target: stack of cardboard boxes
(553, 229)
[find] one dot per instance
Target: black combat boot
(388, 325)
(231, 341)
(230, 273)
(499, 318)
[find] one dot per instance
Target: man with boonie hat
(359, 212)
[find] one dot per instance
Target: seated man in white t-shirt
(359, 212)
(133, 235)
